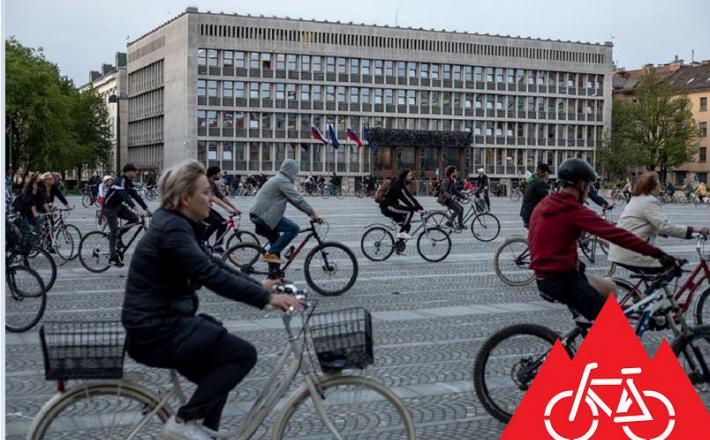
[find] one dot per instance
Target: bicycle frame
(140, 226)
(310, 232)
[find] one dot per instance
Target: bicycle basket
(342, 339)
(82, 350)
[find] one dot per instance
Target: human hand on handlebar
(670, 262)
(285, 302)
(703, 230)
(316, 218)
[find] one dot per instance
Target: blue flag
(367, 138)
(333, 138)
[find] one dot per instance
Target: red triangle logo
(610, 390)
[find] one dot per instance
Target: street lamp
(114, 99)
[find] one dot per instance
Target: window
(280, 61)
(511, 76)
(340, 91)
(239, 60)
(389, 68)
(254, 60)
(703, 129)
(341, 65)
(468, 73)
(266, 121)
(291, 92)
(378, 67)
(411, 97)
(317, 93)
(434, 71)
(401, 67)
(202, 57)
(265, 91)
(254, 120)
(280, 121)
(499, 75)
(457, 72)
(201, 119)
(401, 97)
(305, 92)
(435, 98)
(330, 64)
(212, 121)
(306, 63)
(254, 90)
(354, 95)
(227, 89)
(365, 95)
(479, 74)
(412, 70)
(389, 96)
(489, 74)
(212, 57)
(201, 87)
(239, 120)
(424, 70)
(354, 66)
(703, 154)
(239, 89)
(227, 119)
(317, 66)
(330, 93)
(378, 96)
(266, 61)
(365, 67)
(703, 104)
(447, 72)
(228, 58)
(291, 59)
(281, 91)
(212, 88)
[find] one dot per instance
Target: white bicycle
(631, 397)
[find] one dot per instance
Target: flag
(333, 138)
(305, 146)
(350, 134)
(367, 138)
(316, 134)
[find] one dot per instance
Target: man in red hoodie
(555, 227)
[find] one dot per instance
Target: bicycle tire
(484, 222)
(242, 236)
(20, 293)
(439, 238)
(41, 262)
(695, 348)
(132, 393)
(63, 244)
(381, 236)
(77, 236)
(86, 201)
(436, 218)
(329, 268)
(246, 257)
(523, 265)
(377, 395)
(700, 317)
(93, 258)
(484, 355)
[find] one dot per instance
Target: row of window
(145, 105)
(145, 131)
(378, 68)
(146, 78)
(419, 44)
(511, 161)
(146, 155)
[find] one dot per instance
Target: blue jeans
(287, 230)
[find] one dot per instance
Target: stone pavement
(430, 319)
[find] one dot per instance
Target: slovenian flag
(333, 138)
(316, 134)
(353, 137)
(367, 138)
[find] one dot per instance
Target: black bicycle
(484, 225)
(29, 253)
(330, 267)
(94, 248)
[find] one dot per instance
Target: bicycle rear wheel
(246, 257)
(94, 251)
(99, 410)
(702, 309)
(511, 262)
(25, 299)
(377, 243)
(485, 227)
(330, 268)
(359, 407)
(693, 352)
(434, 244)
(241, 236)
(41, 262)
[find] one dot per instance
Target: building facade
(243, 92)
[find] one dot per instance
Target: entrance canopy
(419, 138)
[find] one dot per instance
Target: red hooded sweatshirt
(555, 227)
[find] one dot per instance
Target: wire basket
(342, 339)
(82, 350)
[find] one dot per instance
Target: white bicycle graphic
(621, 415)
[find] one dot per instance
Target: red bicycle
(684, 294)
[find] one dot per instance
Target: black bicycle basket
(342, 339)
(83, 350)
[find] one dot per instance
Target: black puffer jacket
(535, 191)
(168, 267)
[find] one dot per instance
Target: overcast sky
(80, 35)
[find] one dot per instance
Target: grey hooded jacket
(270, 203)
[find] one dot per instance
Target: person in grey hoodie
(267, 214)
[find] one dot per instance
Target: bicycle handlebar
(665, 276)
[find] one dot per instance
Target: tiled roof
(691, 79)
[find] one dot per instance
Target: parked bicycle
(378, 241)
(508, 361)
(334, 404)
(330, 267)
(94, 248)
(484, 225)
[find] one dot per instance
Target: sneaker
(173, 430)
(219, 249)
(272, 258)
(115, 261)
(403, 236)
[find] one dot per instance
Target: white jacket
(644, 217)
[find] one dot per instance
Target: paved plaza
(430, 319)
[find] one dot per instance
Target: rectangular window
(305, 92)
(411, 97)
(702, 154)
(412, 70)
(378, 96)
(228, 58)
(201, 87)
(317, 66)
(212, 88)
(317, 93)
(281, 91)
(434, 71)
(291, 92)
(401, 97)
(389, 96)
(511, 75)
(354, 66)
(330, 93)
(280, 121)
(239, 60)
(489, 74)
(365, 95)
(254, 120)
(280, 61)
(468, 73)
(254, 90)
(305, 63)
(424, 70)
(378, 67)
(447, 72)
(365, 67)
(401, 67)
(266, 121)
(201, 57)
(354, 95)
(703, 129)
(227, 89)
(212, 57)
(265, 91)
(254, 60)
(389, 68)
(239, 89)
(341, 65)
(330, 64)
(479, 74)
(239, 120)
(291, 60)
(266, 61)
(340, 91)
(212, 121)
(703, 104)
(201, 119)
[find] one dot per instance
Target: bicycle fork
(318, 404)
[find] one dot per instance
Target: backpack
(381, 194)
(435, 189)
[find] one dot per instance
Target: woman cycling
(159, 312)
(400, 204)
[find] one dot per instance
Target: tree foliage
(49, 124)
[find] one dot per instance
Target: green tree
(92, 130)
(617, 156)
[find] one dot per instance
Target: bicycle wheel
(25, 299)
(485, 227)
(511, 262)
(377, 243)
(359, 407)
(85, 201)
(693, 352)
(76, 236)
(94, 251)
(241, 236)
(63, 244)
(507, 364)
(434, 244)
(702, 309)
(105, 410)
(330, 268)
(246, 257)
(41, 262)
(436, 218)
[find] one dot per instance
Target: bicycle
(484, 225)
(322, 268)
(240, 235)
(94, 248)
(329, 405)
(518, 351)
(59, 237)
(88, 195)
(28, 254)
(516, 194)
(378, 241)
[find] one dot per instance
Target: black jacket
(168, 267)
(43, 197)
(481, 182)
(447, 190)
(535, 191)
(121, 192)
(399, 195)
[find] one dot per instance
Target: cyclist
(106, 183)
(399, 204)
(702, 191)
(644, 217)
(626, 190)
(267, 214)
(47, 191)
(447, 197)
(26, 203)
(335, 183)
(159, 311)
(670, 190)
(482, 187)
(117, 203)
(536, 190)
(215, 221)
(555, 228)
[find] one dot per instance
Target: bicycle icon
(629, 396)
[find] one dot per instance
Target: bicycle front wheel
(76, 237)
(41, 262)
(356, 406)
(109, 410)
(94, 251)
(485, 227)
(511, 262)
(330, 268)
(25, 299)
(377, 244)
(63, 244)
(433, 244)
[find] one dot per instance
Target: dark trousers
(400, 214)
(112, 216)
(216, 223)
(487, 199)
(457, 211)
(573, 289)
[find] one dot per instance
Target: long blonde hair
(182, 178)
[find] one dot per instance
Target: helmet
(573, 171)
(107, 178)
(480, 170)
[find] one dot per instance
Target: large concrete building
(244, 91)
